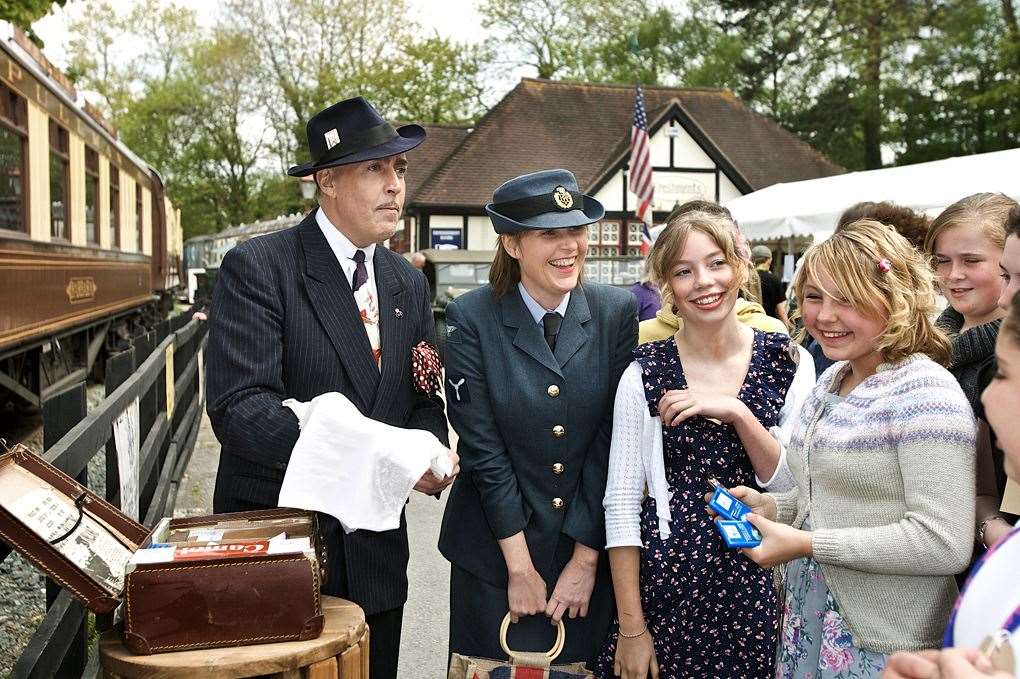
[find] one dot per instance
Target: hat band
(532, 206)
(356, 142)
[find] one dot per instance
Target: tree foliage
(23, 13)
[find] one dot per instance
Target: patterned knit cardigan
(887, 477)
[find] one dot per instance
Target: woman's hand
(635, 657)
(525, 593)
(779, 544)
(574, 586)
(677, 405)
(760, 503)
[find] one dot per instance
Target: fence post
(60, 414)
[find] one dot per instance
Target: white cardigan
(636, 459)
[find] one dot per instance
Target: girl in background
(966, 244)
(883, 458)
(992, 595)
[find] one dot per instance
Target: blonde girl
(883, 457)
(966, 244)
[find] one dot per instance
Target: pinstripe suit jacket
(284, 324)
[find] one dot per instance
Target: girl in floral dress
(883, 459)
(698, 404)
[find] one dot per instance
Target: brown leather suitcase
(85, 544)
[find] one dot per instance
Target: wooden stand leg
(326, 669)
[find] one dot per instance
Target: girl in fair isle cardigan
(883, 456)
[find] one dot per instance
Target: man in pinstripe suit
(318, 308)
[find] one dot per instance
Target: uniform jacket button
(558, 431)
(558, 468)
(553, 390)
(557, 503)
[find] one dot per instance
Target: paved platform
(425, 633)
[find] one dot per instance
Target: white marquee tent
(812, 207)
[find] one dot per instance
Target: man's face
(364, 200)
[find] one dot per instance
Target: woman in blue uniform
(533, 360)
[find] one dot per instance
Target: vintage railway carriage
(89, 243)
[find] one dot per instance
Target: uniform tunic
(534, 427)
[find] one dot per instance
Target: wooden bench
(341, 652)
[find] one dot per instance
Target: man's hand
(574, 586)
(430, 485)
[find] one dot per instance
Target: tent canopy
(812, 207)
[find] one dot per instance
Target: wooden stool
(340, 652)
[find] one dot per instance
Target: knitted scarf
(973, 350)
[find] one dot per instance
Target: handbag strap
(532, 659)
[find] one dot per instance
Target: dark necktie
(360, 272)
(551, 321)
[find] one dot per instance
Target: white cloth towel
(354, 468)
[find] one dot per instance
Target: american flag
(641, 182)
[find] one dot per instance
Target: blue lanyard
(1011, 623)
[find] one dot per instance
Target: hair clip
(884, 265)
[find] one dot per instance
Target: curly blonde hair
(881, 275)
(670, 245)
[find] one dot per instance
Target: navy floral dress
(711, 611)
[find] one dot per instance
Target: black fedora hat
(549, 199)
(351, 131)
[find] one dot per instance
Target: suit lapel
(334, 306)
(395, 330)
(573, 334)
(529, 337)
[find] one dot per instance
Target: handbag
(531, 665)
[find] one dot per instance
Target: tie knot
(551, 321)
(359, 256)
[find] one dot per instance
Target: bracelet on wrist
(644, 628)
(982, 527)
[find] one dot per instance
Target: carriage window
(13, 154)
(114, 206)
(91, 196)
(138, 217)
(60, 161)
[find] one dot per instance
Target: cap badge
(562, 198)
(332, 138)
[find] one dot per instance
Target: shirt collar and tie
(549, 318)
(358, 273)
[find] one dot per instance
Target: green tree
(24, 13)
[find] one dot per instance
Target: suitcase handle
(537, 659)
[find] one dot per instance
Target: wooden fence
(161, 370)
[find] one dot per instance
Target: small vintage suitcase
(203, 600)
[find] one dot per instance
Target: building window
(138, 217)
(60, 163)
(91, 196)
(13, 155)
(114, 206)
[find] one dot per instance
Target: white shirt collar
(536, 309)
(341, 245)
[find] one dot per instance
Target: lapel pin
(397, 312)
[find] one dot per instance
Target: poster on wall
(446, 239)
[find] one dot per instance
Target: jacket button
(553, 391)
(558, 431)
(557, 503)
(558, 468)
